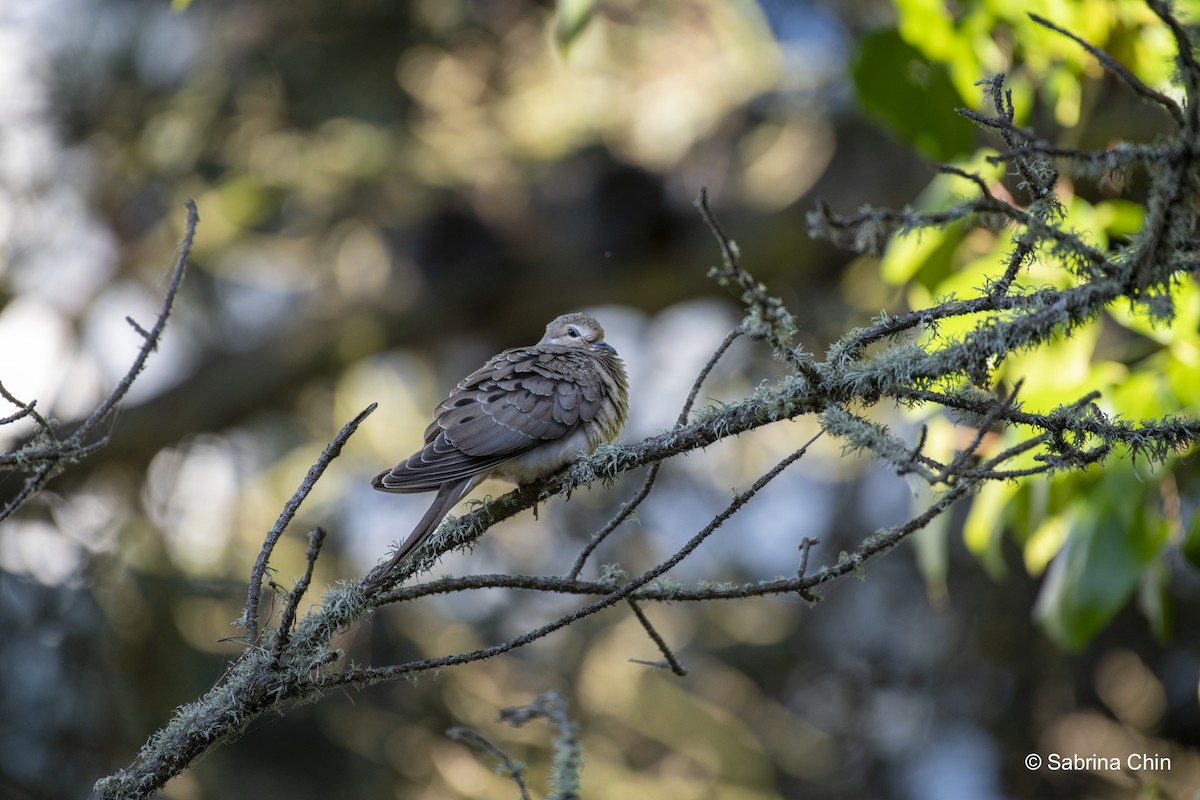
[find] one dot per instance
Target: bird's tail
(448, 496)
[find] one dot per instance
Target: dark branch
(1119, 69)
(671, 662)
(331, 451)
(52, 453)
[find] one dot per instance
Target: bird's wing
(517, 401)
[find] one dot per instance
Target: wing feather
(512, 404)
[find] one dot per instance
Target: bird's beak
(606, 347)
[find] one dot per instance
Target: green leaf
(1089, 580)
(572, 20)
(913, 95)
(984, 528)
(925, 255)
(931, 546)
(1154, 598)
(1110, 544)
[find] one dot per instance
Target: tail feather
(447, 497)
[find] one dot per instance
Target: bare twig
(513, 770)
(26, 410)
(805, 547)
(950, 169)
(644, 492)
(1117, 68)
(568, 755)
(768, 318)
(331, 451)
(48, 454)
(315, 538)
(152, 336)
(671, 662)
(371, 675)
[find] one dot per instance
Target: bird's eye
(573, 332)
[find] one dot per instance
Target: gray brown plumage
(525, 414)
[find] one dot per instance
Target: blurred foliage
(389, 193)
(913, 95)
(572, 18)
(1108, 531)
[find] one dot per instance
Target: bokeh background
(391, 192)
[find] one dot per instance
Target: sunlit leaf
(926, 253)
(1045, 542)
(572, 20)
(931, 545)
(1121, 218)
(1109, 546)
(983, 529)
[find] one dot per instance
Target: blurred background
(390, 193)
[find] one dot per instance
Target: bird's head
(576, 330)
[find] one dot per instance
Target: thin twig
(1119, 69)
(1186, 59)
(315, 538)
(33, 483)
(950, 169)
(27, 409)
(375, 674)
(805, 547)
(981, 430)
(776, 323)
(510, 768)
(1039, 186)
(568, 756)
(55, 453)
(331, 451)
(152, 336)
(643, 492)
(671, 662)
(705, 371)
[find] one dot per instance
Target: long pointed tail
(447, 498)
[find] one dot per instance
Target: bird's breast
(545, 459)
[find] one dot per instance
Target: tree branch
(48, 453)
(292, 664)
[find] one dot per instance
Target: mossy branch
(51, 450)
(865, 367)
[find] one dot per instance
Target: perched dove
(525, 414)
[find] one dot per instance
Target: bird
(524, 415)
